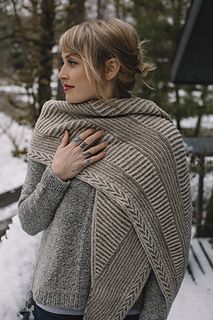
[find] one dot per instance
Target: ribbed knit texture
(142, 214)
(62, 275)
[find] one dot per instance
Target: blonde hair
(96, 41)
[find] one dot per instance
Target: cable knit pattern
(142, 213)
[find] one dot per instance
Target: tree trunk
(178, 119)
(46, 56)
(197, 128)
(201, 110)
(178, 116)
(117, 8)
(99, 11)
(75, 12)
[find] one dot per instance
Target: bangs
(73, 41)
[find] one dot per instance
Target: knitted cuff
(52, 181)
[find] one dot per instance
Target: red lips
(67, 87)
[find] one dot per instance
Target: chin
(75, 100)
(72, 100)
(79, 100)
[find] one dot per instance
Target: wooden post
(200, 196)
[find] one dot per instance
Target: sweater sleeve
(41, 194)
(153, 301)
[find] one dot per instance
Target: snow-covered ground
(17, 259)
(194, 301)
(18, 250)
(12, 169)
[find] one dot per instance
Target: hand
(70, 157)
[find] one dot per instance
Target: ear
(112, 68)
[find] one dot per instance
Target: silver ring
(83, 145)
(87, 162)
(77, 139)
(87, 154)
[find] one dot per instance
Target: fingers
(71, 158)
(89, 152)
(87, 137)
(95, 158)
(64, 140)
(79, 138)
(91, 138)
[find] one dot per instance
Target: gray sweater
(62, 273)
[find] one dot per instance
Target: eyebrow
(70, 55)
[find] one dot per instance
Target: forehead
(69, 55)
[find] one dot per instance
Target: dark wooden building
(193, 64)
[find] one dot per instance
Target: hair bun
(145, 67)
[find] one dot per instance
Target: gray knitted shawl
(142, 210)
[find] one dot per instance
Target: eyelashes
(71, 62)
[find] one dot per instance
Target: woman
(108, 185)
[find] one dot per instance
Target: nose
(63, 73)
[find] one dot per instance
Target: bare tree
(46, 55)
(75, 13)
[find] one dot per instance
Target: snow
(18, 250)
(12, 169)
(17, 258)
(208, 183)
(8, 212)
(206, 122)
(192, 302)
